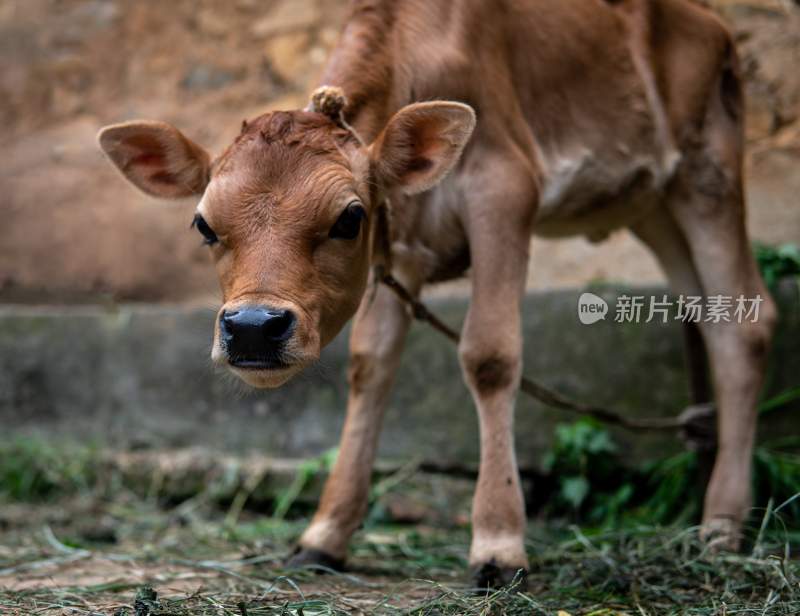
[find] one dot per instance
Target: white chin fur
(265, 379)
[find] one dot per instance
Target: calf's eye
(349, 223)
(209, 237)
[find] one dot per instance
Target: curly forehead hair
(314, 132)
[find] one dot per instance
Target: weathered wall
(73, 231)
(141, 377)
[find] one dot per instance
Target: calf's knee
(489, 372)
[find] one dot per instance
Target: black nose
(254, 337)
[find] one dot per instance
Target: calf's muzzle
(255, 336)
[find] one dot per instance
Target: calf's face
(289, 214)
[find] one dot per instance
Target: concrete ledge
(140, 376)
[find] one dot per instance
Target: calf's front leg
(376, 345)
(491, 358)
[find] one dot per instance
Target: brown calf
(592, 115)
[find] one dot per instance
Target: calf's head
(289, 213)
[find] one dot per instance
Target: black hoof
(490, 576)
(308, 558)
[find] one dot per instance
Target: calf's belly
(588, 196)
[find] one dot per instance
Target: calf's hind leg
(702, 246)
(715, 231)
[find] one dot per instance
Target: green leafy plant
(593, 486)
(776, 262)
(586, 468)
(671, 492)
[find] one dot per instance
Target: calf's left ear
(420, 144)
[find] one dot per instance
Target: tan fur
(592, 115)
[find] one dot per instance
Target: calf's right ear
(157, 158)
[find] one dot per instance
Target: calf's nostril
(225, 324)
(278, 325)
